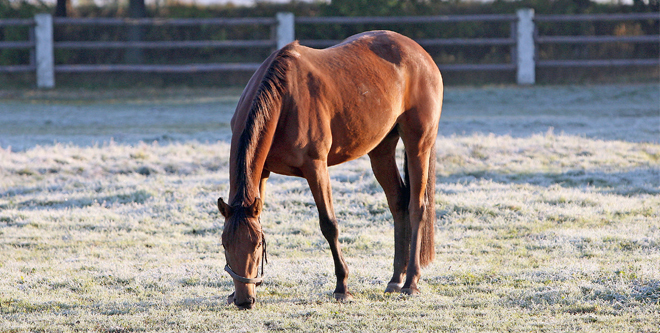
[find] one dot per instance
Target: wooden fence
(560, 19)
(508, 41)
(523, 41)
(28, 44)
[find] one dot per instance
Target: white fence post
(285, 29)
(526, 73)
(43, 36)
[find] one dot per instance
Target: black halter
(259, 279)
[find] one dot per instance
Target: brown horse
(305, 110)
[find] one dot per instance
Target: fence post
(526, 73)
(285, 29)
(43, 35)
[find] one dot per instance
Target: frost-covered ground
(548, 207)
(615, 112)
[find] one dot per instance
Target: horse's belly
(351, 142)
(287, 157)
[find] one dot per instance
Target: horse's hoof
(410, 291)
(341, 297)
(393, 288)
(230, 299)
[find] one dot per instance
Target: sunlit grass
(549, 232)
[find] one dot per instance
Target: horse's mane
(268, 96)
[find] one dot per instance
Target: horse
(306, 109)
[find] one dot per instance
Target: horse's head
(245, 248)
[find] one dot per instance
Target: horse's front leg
(317, 177)
(262, 184)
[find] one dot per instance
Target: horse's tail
(427, 251)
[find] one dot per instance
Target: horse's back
(345, 99)
(402, 75)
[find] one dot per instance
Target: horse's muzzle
(247, 305)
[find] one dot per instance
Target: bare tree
(60, 8)
(136, 9)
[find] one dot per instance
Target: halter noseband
(258, 280)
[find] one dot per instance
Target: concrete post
(43, 37)
(285, 29)
(526, 73)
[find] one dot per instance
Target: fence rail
(15, 22)
(598, 63)
(540, 40)
(165, 22)
(596, 39)
(17, 45)
(597, 17)
(188, 68)
(405, 19)
(523, 41)
(425, 42)
(28, 44)
(167, 44)
(17, 69)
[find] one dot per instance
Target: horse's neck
(246, 177)
(251, 143)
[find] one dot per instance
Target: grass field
(548, 204)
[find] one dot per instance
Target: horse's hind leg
(419, 133)
(418, 171)
(317, 177)
(383, 163)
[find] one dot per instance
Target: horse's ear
(224, 208)
(255, 208)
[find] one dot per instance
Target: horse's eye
(260, 243)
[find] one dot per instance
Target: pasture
(548, 218)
